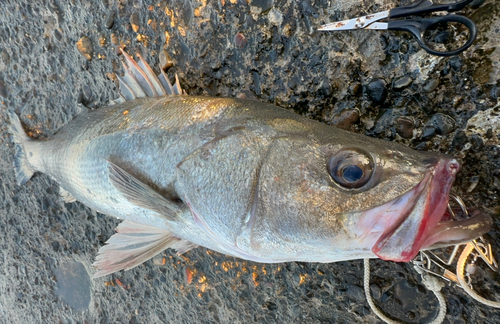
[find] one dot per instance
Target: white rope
(368, 295)
(461, 279)
(430, 282)
(435, 285)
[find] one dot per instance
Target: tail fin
(22, 168)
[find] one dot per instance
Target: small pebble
(165, 60)
(376, 91)
(489, 133)
(167, 37)
(402, 82)
(456, 63)
(424, 146)
(152, 23)
(119, 48)
(459, 140)
(403, 48)
(494, 92)
(429, 131)
(473, 183)
(288, 30)
(356, 292)
(375, 291)
(431, 85)
(355, 89)
(85, 47)
(158, 260)
(86, 94)
(477, 142)
(346, 118)
(261, 6)
(239, 40)
(442, 123)
(3, 89)
(385, 123)
(496, 182)
(457, 101)
(405, 126)
(275, 17)
(134, 21)
(4, 57)
(114, 39)
(111, 20)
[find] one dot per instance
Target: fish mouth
(418, 219)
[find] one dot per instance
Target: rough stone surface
(44, 78)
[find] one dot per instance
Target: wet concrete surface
(372, 82)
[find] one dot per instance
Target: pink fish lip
(417, 220)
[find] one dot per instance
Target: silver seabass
(244, 178)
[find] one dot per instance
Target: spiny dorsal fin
(142, 195)
(132, 245)
(166, 83)
(139, 80)
(131, 82)
(140, 75)
(151, 76)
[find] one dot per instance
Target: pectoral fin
(142, 195)
(132, 245)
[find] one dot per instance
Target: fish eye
(350, 168)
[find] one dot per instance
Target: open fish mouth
(418, 219)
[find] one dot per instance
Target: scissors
(420, 28)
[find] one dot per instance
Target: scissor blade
(355, 23)
(377, 25)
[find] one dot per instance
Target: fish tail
(22, 167)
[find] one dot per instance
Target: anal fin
(134, 244)
(182, 246)
(66, 196)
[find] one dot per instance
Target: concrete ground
(374, 82)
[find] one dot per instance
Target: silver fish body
(246, 179)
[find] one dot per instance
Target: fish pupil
(352, 173)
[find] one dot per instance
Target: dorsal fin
(151, 76)
(131, 81)
(139, 81)
(166, 83)
(140, 75)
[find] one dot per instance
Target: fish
(243, 178)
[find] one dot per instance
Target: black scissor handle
(418, 27)
(426, 6)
